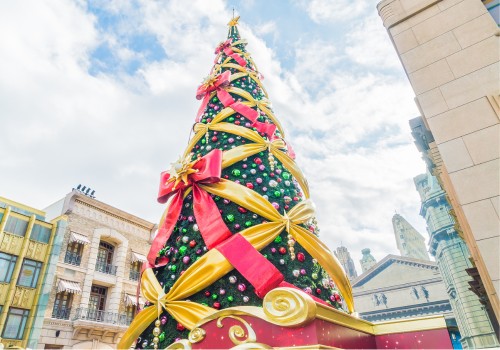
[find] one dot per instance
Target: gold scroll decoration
(236, 154)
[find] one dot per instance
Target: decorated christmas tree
(238, 220)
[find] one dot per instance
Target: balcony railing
(102, 316)
(134, 275)
(61, 313)
(72, 258)
(105, 268)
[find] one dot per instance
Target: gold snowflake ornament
(181, 170)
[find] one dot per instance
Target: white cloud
(62, 126)
(323, 11)
(370, 46)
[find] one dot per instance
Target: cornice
(116, 213)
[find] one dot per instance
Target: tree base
(290, 318)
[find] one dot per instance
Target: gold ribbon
(261, 235)
(213, 265)
(261, 104)
(185, 312)
(236, 154)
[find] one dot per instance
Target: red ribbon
(265, 128)
(218, 85)
(256, 269)
(211, 225)
(226, 47)
(221, 82)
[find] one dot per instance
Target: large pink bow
(214, 83)
(211, 225)
(226, 47)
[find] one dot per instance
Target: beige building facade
(450, 52)
(93, 293)
(400, 287)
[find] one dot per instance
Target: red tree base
(291, 319)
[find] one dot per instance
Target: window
(98, 298)
(105, 254)
(16, 322)
(130, 313)
(74, 254)
(62, 305)
(105, 259)
(40, 233)
(16, 226)
(28, 277)
(135, 271)
(7, 263)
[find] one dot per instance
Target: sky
(102, 93)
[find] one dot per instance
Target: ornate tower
(347, 263)
(452, 257)
(367, 261)
(410, 242)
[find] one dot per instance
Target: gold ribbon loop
(236, 154)
(185, 312)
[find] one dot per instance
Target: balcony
(61, 313)
(72, 258)
(134, 275)
(100, 324)
(105, 268)
(102, 317)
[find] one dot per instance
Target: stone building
(401, 287)
(26, 239)
(347, 263)
(367, 260)
(409, 241)
(449, 50)
(93, 289)
(452, 257)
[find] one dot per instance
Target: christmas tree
(239, 221)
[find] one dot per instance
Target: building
(409, 241)
(367, 260)
(449, 50)
(347, 263)
(92, 296)
(26, 239)
(402, 287)
(452, 257)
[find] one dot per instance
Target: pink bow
(226, 47)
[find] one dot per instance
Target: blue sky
(102, 93)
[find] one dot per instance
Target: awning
(132, 300)
(138, 257)
(78, 238)
(68, 286)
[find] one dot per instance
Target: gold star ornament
(233, 21)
